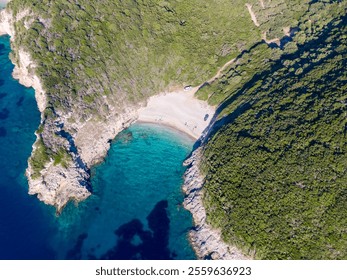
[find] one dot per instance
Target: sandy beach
(180, 110)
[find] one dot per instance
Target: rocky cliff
(206, 241)
(88, 143)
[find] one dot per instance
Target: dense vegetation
(276, 161)
(95, 55)
(131, 49)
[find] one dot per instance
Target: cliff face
(5, 23)
(24, 70)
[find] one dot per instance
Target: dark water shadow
(3, 132)
(134, 242)
(19, 103)
(4, 113)
(76, 252)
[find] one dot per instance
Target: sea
(135, 211)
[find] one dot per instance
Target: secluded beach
(180, 110)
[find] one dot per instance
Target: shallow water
(135, 211)
(139, 189)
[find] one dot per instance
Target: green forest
(275, 162)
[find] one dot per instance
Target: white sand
(180, 110)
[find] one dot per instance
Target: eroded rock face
(57, 185)
(92, 138)
(87, 144)
(24, 73)
(206, 241)
(5, 23)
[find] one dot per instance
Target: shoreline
(3, 3)
(178, 109)
(206, 241)
(171, 127)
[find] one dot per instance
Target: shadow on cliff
(136, 243)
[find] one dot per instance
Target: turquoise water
(135, 211)
(139, 188)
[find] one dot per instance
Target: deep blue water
(23, 233)
(135, 211)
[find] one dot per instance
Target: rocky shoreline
(206, 241)
(57, 185)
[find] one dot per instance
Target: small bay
(135, 211)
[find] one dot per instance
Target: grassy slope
(131, 49)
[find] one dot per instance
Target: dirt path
(219, 73)
(254, 18)
(270, 41)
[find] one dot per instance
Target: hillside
(275, 160)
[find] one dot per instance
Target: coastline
(179, 110)
(171, 127)
(24, 68)
(206, 241)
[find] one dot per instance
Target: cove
(135, 211)
(139, 189)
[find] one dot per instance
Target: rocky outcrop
(58, 185)
(5, 27)
(87, 145)
(206, 241)
(92, 138)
